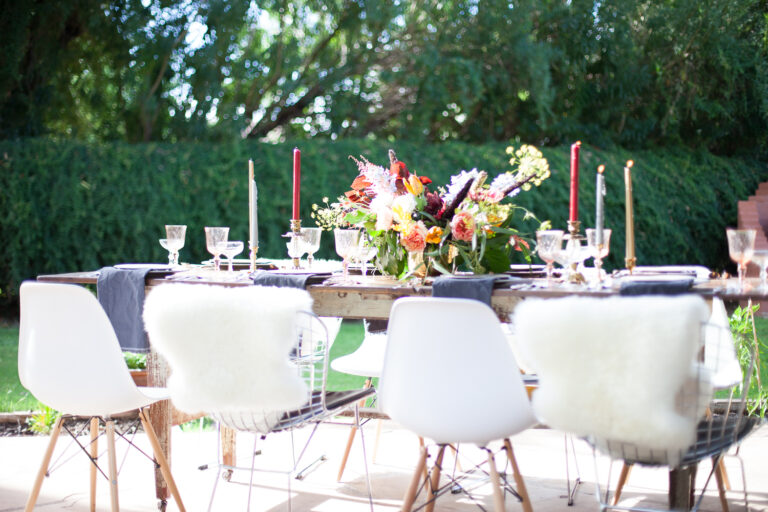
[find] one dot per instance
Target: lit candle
(296, 182)
(253, 218)
(629, 255)
(574, 211)
(600, 213)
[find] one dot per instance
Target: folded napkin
(475, 287)
(121, 294)
(266, 278)
(657, 287)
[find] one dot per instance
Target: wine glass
(365, 252)
(760, 258)
(549, 243)
(598, 251)
(311, 239)
(741, 247)
(232, 249)
(347, 241)
(295, 247)
(174, 241)
(215, 238)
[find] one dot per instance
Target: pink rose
(463, 226)
(414, 238)
(384, 219)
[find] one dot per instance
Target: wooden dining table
(373, 299)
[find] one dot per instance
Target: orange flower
(413, 238)
(517, 242)
(434, 235)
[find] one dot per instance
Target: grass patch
(13, 396)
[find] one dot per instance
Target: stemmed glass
(215, 242)
(232, 249)
(741, 246)
(311, 239)
(173, 242)
(760, 258)
(347, 241)
(549, 243)
(365, 253)
(598, 252)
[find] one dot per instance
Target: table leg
(160, 415)
(681, 487)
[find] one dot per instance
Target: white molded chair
(70, 360)
(367, 362)
(634, 376)
(450, 375)
(252, 357)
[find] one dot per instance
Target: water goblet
(549, 244)
(365, 252)
(311, 239)
(760, 258)
(741, 247)
(346, 241)
(232, 249)
(215, 237)
(598, 251)
(295, 246)
(174, 236)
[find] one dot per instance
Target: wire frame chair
(711, 427)
(253, 321)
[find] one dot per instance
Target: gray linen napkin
(121, 294)
(475, 287)
(660, 287)
(266, 278)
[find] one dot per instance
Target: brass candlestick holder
(574, 236)
(630, 263)
(254, 251)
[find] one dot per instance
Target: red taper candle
(296, 181)
(574, 210)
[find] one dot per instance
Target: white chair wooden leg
(623, 477)
(94, 452)
(721, 487)
(410, 494)
(435, 482)
(44, 466)
(112, 456)
(521, 489)
(165, 468)
(498, 496)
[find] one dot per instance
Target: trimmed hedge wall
(71, 206)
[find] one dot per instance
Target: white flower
(504, 182)
(381, 201)
(405, 203)
(457, 183)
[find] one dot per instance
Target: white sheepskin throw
(227, 348)
(616, 369)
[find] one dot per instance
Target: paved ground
(540, 455)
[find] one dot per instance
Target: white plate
(141, 266)
(656, 278)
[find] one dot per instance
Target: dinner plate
(656, 278)
(141, 266)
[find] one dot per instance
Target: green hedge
(71, 206)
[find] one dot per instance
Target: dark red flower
(434, 203)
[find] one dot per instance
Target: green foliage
(42, 421)
(743, 327)
(73, 206)
(135, 361)
(631, 73)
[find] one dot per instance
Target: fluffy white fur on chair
(227, 348)
(614, 368)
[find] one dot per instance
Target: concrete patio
(540, 454)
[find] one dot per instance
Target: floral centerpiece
(470, 224)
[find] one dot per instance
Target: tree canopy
(635, 73)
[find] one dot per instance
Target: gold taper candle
(629, 256)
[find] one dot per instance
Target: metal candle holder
(574, 233)
(254, 251)
(294, 234)
(630, 263)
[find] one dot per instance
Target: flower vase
(416, 265)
